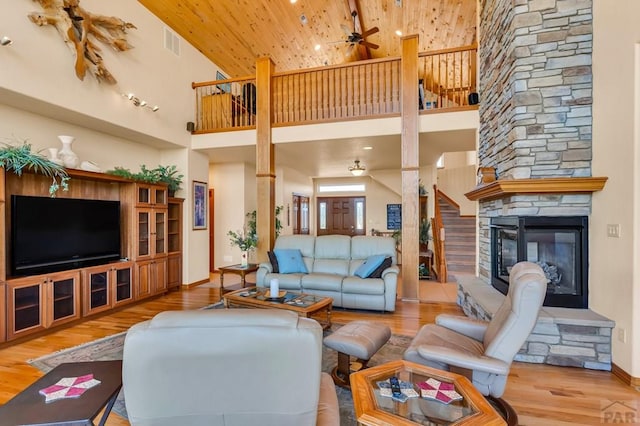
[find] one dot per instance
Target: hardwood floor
(541, 395)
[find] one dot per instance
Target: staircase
(460, 238)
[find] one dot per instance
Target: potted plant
(423, 234)
(170, 176)
(17, 158)
(245, 240)
(252, 221)
(161, 174)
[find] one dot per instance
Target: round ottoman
(360, 339)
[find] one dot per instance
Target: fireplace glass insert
(557, 244)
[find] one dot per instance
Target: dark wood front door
(341, 215)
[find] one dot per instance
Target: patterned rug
(110, 348)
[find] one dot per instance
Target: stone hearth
(562, 336)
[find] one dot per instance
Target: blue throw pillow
(290, 261)
(369, 265)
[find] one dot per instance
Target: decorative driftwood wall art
(76, 25)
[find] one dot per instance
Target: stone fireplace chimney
(535, 113)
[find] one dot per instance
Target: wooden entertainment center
(151, 250)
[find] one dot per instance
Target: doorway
(211, 233)
(341, 215)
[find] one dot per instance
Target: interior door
(341, 215)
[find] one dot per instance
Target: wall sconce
(5, 41)
(140, 102)
(357, 169)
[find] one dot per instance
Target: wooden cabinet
(107, 286)
(151, 277)
(151, 240)
(3, 312)
(38, 302)
(174, 243)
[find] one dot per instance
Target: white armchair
(481, 350)
(227, 367)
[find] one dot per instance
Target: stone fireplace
(560, 245)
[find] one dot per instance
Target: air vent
(171, 41)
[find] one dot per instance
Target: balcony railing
(363, 89)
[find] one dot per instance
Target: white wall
(614, 277)
(455, 183)
(41, 97)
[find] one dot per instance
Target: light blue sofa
(331, 261)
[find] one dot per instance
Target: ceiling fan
(354, 37)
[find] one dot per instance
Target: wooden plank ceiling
(234, 33)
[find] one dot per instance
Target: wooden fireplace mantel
(507, 187)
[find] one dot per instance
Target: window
(322, 215)
(359, 187)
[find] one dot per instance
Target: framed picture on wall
(199, 205)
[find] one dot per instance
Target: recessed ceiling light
(293, 1)
(368, 147)
(303, 19)
(398, 32)
(317, 47)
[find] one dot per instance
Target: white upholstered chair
(481, 350)
(227, 367)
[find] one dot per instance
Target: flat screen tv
(57, 234)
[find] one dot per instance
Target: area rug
(110, 348)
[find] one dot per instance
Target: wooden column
(410, 167)
(265, 160)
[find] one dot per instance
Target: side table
(29, 406)
(238, 270)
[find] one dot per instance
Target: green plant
(423, 271)
(170, 176)
(423, 231)
(161, 174)
(245, 240)
(252, 221)
(17, 158)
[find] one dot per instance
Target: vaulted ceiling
(234, 33)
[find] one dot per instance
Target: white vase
(245, 258)
(53, 156)
(68, 157)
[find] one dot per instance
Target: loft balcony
(353, 91)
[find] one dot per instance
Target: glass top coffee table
(372, 408)
(306, 305)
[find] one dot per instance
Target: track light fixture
(5, 41)
(357, 169)
(140, 102)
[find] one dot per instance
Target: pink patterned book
(439, 391)
(69, 387)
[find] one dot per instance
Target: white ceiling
(331, 158)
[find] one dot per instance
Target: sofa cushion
(384, 265)
(374, 286)
(369, 265)
(285, 281)
(331, 266)
(290, 261)
(274, 261)
(364, 246)
(333, 247)
(326, 282)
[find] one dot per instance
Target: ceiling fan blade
(370, 31)
(346, 30)
(369, 45)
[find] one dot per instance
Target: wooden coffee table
(374, 409)
(308, 306)
(29, 406)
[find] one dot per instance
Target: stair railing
(437, 228)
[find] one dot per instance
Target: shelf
(507, 187)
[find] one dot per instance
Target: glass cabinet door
(27, 307)
(64, 298)
(98, 290)
(123, 284)
(144, 231)
(160, 235)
